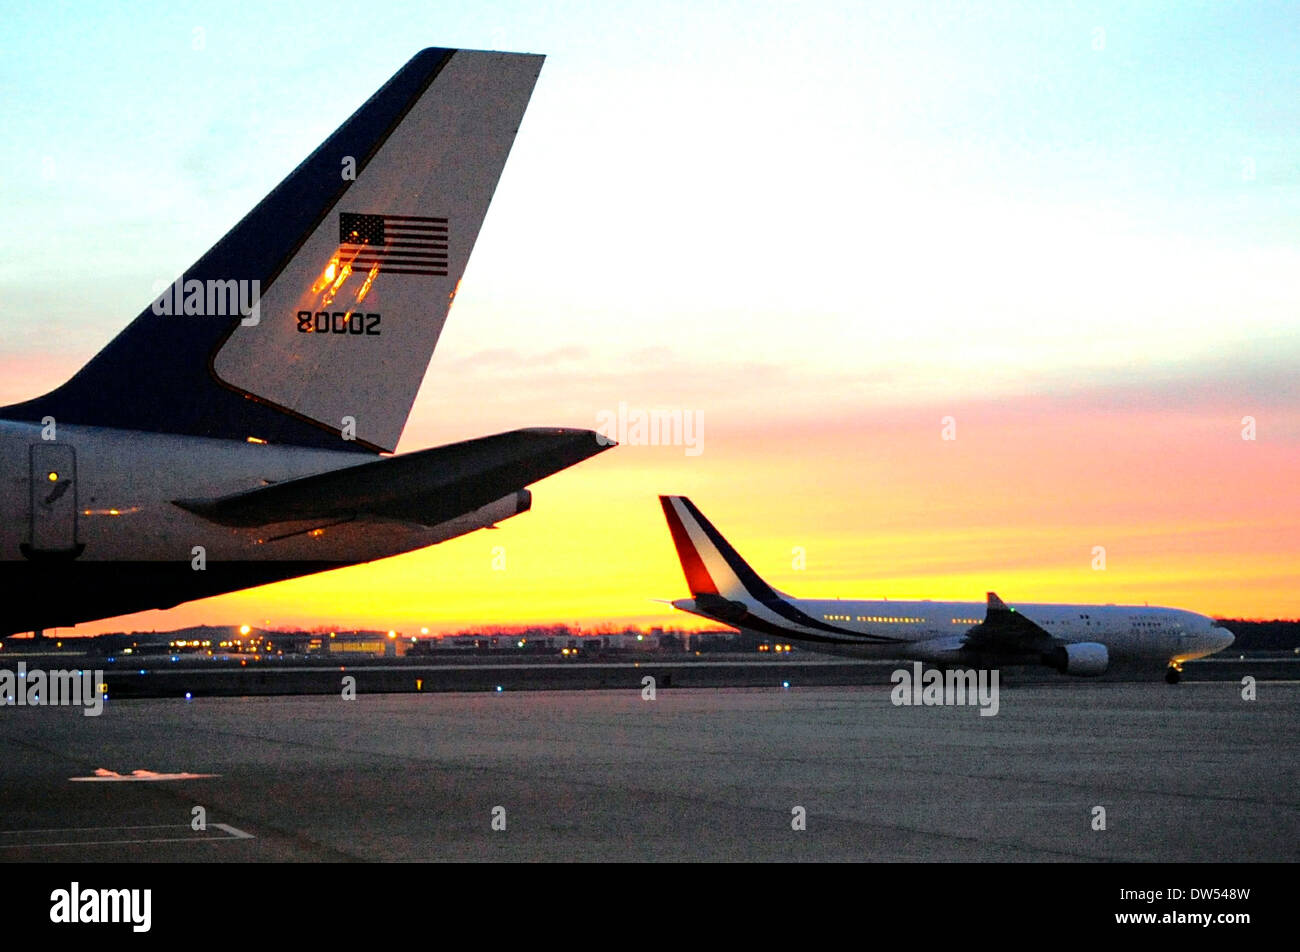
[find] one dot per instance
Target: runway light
(187, 695)
(500, 689)
(785, 685)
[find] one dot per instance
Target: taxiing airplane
(234, 433)
(1082, 640)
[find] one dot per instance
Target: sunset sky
(818, 229)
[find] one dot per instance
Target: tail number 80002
(338, 322)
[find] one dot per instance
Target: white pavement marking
(235, 834)
(231, 834)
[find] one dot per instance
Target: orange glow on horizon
(595, 549)
(1189, 514)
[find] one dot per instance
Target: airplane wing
(1005, 630)
(425, 487)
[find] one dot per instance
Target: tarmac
(1193, 772)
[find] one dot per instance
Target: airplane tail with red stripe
(711, 565)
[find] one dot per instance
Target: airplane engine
(1085, 659)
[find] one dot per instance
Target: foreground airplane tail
(313, 320)
(712, 567)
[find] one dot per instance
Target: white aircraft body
(236, 432)
(1084, 640)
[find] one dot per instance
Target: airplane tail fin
(313, 320)
(711, 565)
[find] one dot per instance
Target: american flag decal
(397, 244)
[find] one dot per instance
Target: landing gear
(1173, 675)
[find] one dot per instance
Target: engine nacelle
(1086, 659)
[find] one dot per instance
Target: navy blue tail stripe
(754, 623)
(156, 374)
(756, 587)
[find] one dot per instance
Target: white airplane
(1073, 639)
(232, 435)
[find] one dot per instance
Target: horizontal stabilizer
(724, 609)
(426, 487)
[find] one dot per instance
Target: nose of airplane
(1219, 637)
